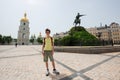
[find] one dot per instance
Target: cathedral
(23, 32)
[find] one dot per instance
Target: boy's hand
(43, 53)
(52, 52)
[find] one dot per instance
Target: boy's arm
(52, 50)
(53, 47)
(43, 47)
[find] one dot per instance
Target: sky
(57, 15)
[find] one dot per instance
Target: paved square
(26, 63)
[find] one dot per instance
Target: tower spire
(25, 15)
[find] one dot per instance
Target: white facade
(23, 32)
(60, 35)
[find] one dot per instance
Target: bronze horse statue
(78, 20)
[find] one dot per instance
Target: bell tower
(23, 32)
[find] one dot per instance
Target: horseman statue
(78, 20)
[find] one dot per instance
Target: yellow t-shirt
(48, 44)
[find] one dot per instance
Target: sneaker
(47, 73)
(55, 71)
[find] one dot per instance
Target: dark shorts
(48, 54)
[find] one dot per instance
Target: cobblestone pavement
(26, 63)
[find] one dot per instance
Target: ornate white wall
(23, 32)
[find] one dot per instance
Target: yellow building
(115, 32)
(111, 32)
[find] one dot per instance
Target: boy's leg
(46, 65)
(51, 59)
(47, 73)
(53, 64)
(46, 59)
(54, 69)
(46, 62)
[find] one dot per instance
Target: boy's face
(47, 33)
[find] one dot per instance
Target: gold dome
(24, 18)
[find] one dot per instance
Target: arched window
(23, 35)
(23, 23)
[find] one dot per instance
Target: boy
(48, 51)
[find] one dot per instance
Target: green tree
(39, 40)
(0, 38)
(32, 39)
(15, 40)
(57, 42)
(8, 39)
(3, 39)
(79, 36)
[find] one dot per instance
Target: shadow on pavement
(57, 77)
(19, 56)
